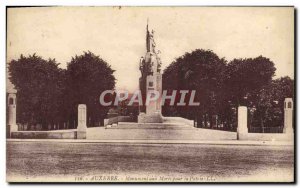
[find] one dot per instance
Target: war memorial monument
(139, 143)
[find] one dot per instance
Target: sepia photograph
(157, 94)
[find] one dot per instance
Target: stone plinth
(288, 116)
(150, 118)
(242, 121)
(81, 128)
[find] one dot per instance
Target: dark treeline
(222, 86)
(48, 95)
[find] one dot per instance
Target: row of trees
(48, 95)
(222, 86)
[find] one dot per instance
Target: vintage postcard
(150, 94)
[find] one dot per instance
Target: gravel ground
(76, 162)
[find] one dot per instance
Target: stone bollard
(288, 116)
(81, 128)
(12, 113)
(106, 121)
(242, 121)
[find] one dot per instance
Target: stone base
(266, 136)
(288, 130)
(57, 134)
(150, 118)
(81, 135)
(13, 128)
(240, 133)
(10, 129)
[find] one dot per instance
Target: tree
(87, 77)
(220, 87)
(40, 85)
(245, 77)
(200, 70)
(269, 106)
(242, 80)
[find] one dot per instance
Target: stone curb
(204, 142)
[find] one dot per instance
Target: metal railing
(218, 127)
(265, 129)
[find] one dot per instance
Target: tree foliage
(245, 77)
(40, 86)
(222, 87)
(48, 94)
(269, 106)
(200, 70)
(87, 77)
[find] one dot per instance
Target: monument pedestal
(150, 118)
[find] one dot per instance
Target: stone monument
(150, 82)
(288, 116)
(81, 128)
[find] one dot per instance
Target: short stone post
(12, 113)
(288, 116)
(242, 121)
(81, 128)
(106, 122)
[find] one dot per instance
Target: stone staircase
(156, 132)
(132, 125)
(168, 123)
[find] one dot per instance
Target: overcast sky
(118, 34)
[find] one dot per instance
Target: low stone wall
(266, 136)
(117, 119)
(62, 134)
(178, 120)
(131, 125)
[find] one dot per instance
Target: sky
(117, 35)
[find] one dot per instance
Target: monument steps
(133, 125)
(178, 120)
(167, 133)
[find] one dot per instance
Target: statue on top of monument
(152, 42)
(148, 66)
